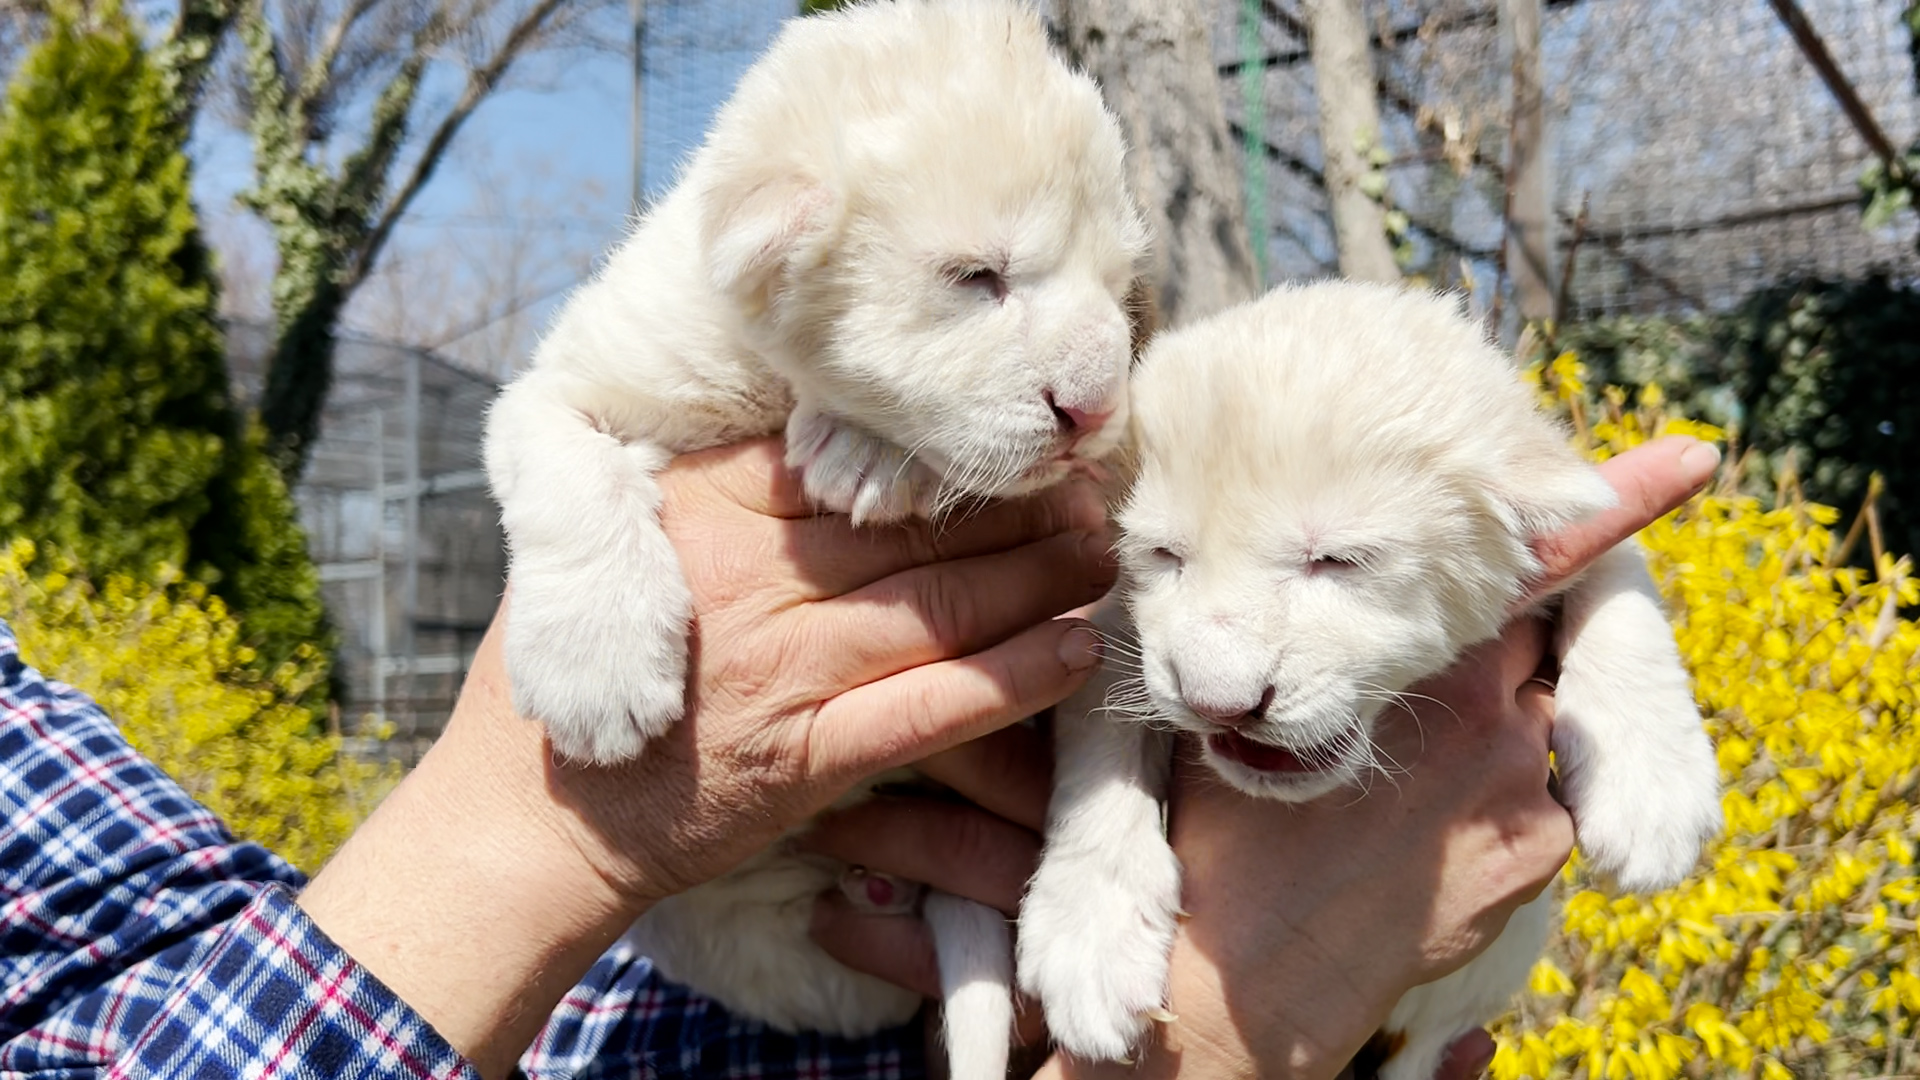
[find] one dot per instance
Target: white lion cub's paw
(1643, 831)
(848, 471)
(1095, 932)
(1639, 775)
(599, 657)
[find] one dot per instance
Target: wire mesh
(694, 52)
(1708, 156)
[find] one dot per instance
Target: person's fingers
(1009, 773)
(957, 608)
(1650, 480)
(895, 948)
(1475, 694)
(952, 846)
(1029, 1024)
(1467, 1057)
(834, 557)
(931, 708)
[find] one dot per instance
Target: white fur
(974, 944)
(742, 940)
(907, 242)
(1099, 915)
(1336, 491)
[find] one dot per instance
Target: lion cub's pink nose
(1078, 421)
(1232, 715)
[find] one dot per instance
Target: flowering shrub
(166, 662)
(1792, 950)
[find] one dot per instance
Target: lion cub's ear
(757, 224)
(1545, 487)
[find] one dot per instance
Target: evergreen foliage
(119, 443)
(1823, 376)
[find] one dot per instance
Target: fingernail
(1468, 1056)
(1697, 463)
(1080, 648)
(875, 893)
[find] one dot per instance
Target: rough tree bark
(1154, 64)
(1343, 81)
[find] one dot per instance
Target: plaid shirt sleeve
(138, 938)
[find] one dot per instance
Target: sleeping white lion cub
(1336, 491)
(907, 241)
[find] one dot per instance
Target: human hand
(1310, 921)
(824, 654)
(821, 655)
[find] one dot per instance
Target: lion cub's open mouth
(1259, 756)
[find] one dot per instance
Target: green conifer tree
(119, 442)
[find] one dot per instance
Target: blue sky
(546, 161)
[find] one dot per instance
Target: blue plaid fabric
(138, 938)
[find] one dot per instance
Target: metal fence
(399, 521)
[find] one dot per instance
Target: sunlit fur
(873, 250)
(1356, 514)
(1337, 488)
(907, 243)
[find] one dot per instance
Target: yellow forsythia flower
(1792, 951)
(167, 664)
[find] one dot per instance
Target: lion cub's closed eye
(1336, 492)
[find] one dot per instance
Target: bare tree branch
(320, 69)
(481, 82)
(331, 224)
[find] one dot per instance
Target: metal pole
(1253, 96)
(410, 570)
(377, 625)
(637, 11)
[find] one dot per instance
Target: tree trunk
(299, 373)
(1155, 66)
(1343, 81)
(1530, 259)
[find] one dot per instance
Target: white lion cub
(1336, 491)
(907, 241)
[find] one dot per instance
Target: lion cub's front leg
(1098, 921)
(597, 646)
(1637, 768)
